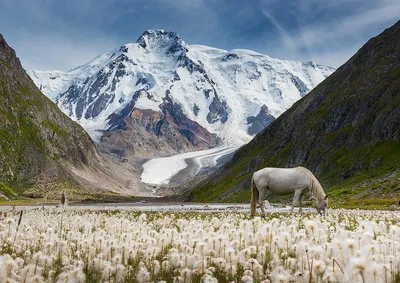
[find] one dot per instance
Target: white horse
(284, 181)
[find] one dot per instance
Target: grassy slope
(345, 131)
(36, 138)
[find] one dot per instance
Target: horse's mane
(316, 189)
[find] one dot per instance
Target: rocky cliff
(42, 151)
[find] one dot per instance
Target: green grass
(5, 63)
(55, 128)
(26, 201)
(362, 164)
(370, 203)
(7, 191)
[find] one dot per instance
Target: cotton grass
(131, 246)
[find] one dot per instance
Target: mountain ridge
(217, 90)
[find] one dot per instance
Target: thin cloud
(60, 51)
(286, 37)
(349, 26)
(328, 32)
(52, 34)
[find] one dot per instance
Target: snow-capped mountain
(207, 95)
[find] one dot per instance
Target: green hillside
(37, 141)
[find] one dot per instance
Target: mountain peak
(159, 39)
(206, 83)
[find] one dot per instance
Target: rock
(218, 111)
(230, 56)
(259, 122)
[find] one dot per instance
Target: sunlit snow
(159, 171)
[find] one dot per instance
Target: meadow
(78, 245)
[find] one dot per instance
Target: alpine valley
(160, 96)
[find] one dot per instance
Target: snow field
(133, 246)
(159, 171)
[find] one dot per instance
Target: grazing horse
(282, 181)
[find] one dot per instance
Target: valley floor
(152, 206)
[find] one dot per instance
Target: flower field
(71, 245)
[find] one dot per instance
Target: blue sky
(58, 34)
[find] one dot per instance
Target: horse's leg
(296, 197)
(261, 197)
(301, 202)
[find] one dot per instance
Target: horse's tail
(254, 197)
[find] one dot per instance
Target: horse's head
(321, 205)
